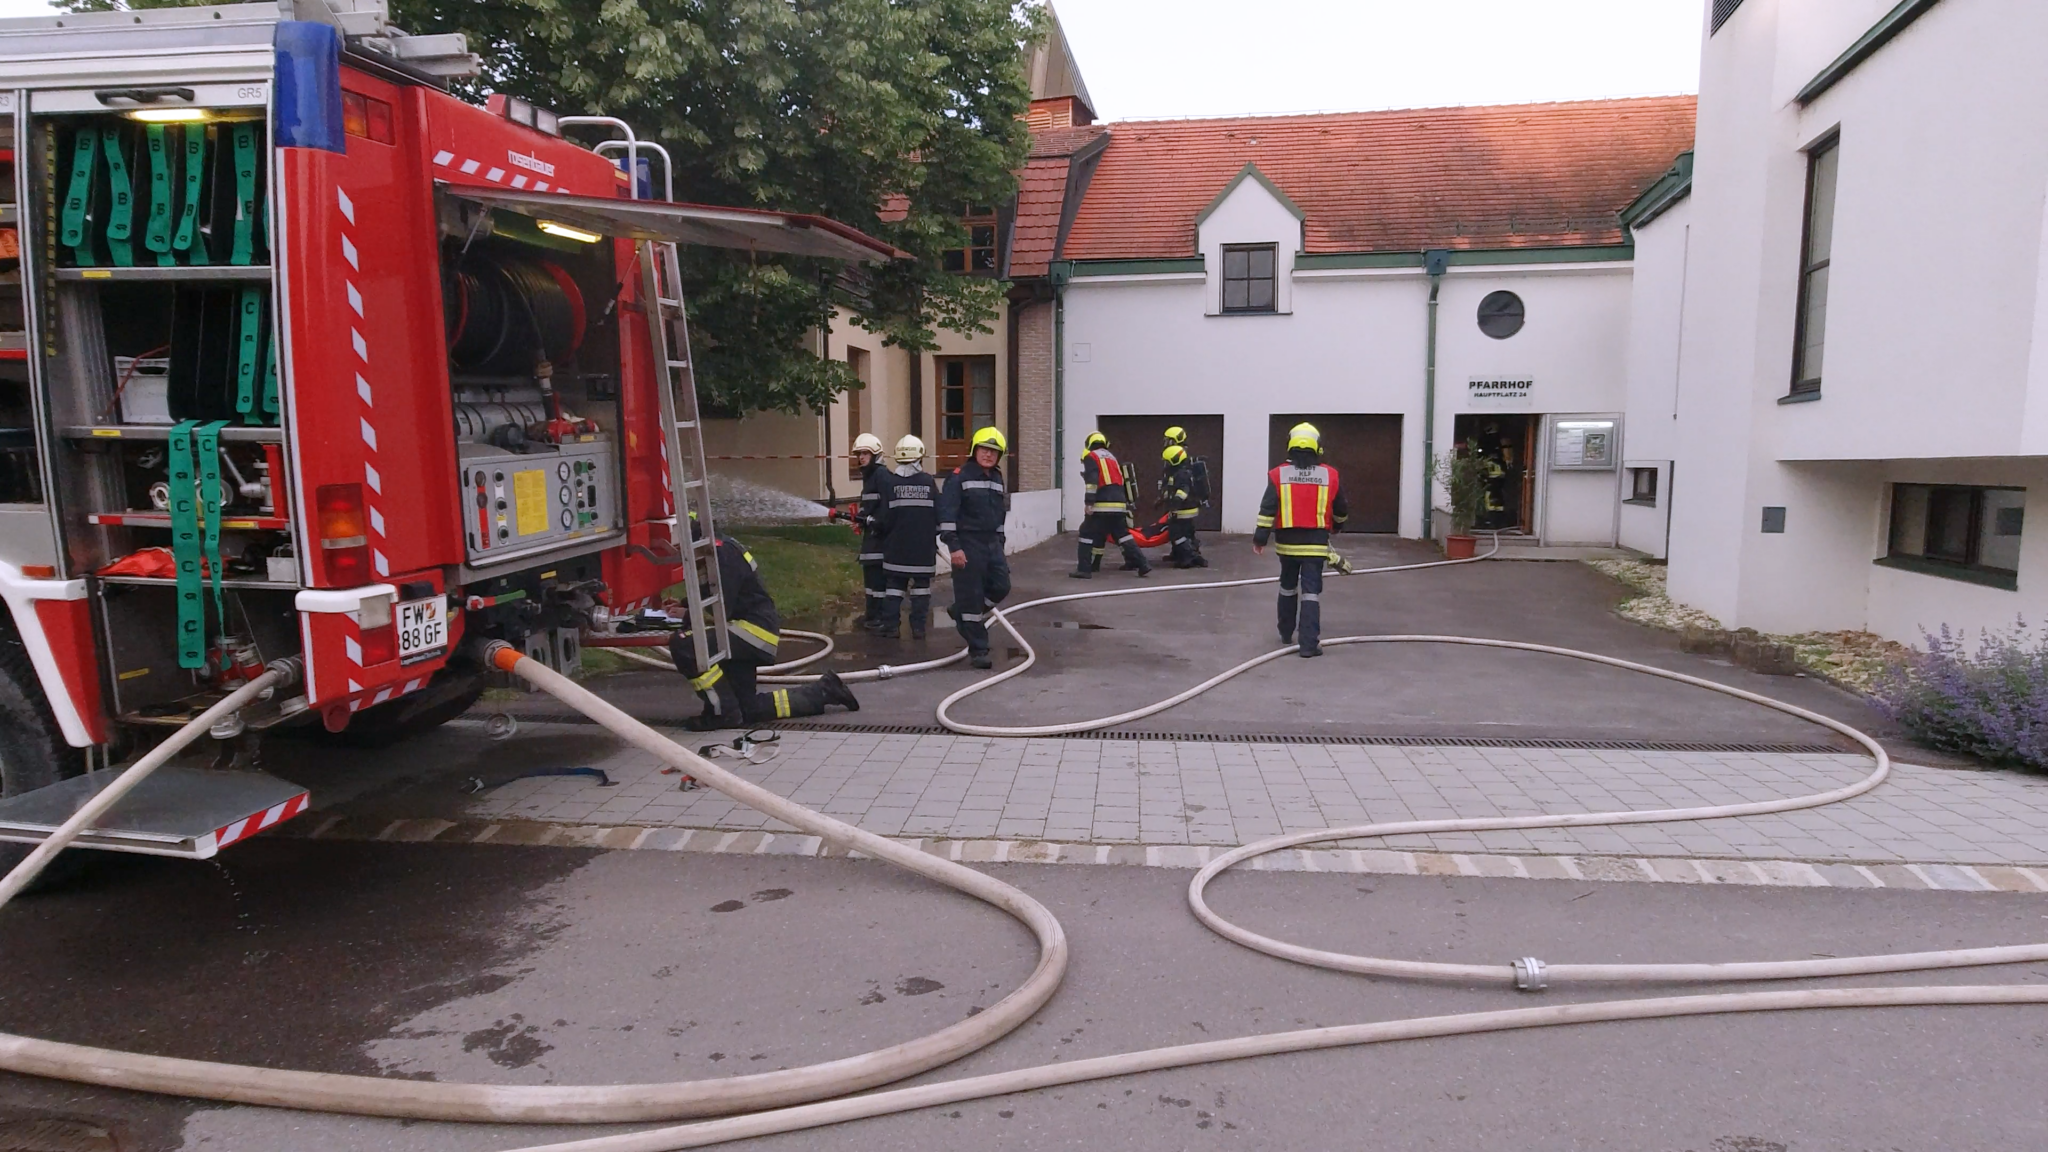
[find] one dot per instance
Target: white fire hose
(813, 1096)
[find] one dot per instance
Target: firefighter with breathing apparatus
(907, 522)
(1105, 494)
(1303, 505)
(1184, 491)
(753, 632)
(972, 507)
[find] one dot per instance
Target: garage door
(1365, 449)
(1137, 441)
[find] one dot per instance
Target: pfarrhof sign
(1499, 391)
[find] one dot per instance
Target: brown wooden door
(967, 403)
(1365, 449)
(1138, 441)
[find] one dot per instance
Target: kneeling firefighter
(753, 632)
(907, 519)
(972, 507)
(1184, 492)
(1303, 504)
(1106, 497)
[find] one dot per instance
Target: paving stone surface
(1164, 793)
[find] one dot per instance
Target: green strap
(209, 499)
(248, 350)
(158, 239)
(78, 195)
(188, 240)
(185, 549)
(121, 200)
(269, 372)
(244, 251)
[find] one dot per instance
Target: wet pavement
(1105, 657)
(551, 965)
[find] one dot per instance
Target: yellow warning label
(530, 498)
(132, 673)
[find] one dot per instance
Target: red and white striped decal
(269, 817)
(360, 346)
(496, 175)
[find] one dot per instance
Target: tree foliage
(835, 107)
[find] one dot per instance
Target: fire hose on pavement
(817, 1095)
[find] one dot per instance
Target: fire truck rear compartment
(532, 332)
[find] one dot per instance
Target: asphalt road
(549, 965)
(1105, 657)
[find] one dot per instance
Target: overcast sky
(1231, 57)
(1145, 58)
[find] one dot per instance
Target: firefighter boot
(836, 692)
(1084, 558)
(1135, 561)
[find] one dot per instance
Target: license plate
(422, 627)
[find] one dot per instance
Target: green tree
(835, 107)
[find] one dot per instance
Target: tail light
(344, 537)
(379, 631)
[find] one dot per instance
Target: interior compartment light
(169, 115)
(568, 233)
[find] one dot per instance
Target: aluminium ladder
(689, 490)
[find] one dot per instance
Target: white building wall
(1355, 342)
(1934, 362)
(1656, 295)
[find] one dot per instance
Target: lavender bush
(1992, 704)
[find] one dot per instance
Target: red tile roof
(1504, 176)
(1041, 197)
(1041, 192)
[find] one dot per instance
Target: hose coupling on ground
(885, 672)
(1529, 974)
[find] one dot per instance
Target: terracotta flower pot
(1460, 547)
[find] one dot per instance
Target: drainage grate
(1784, 749)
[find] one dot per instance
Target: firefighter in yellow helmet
(1304, 504)
(1184, 495)
(972, 506)
(1105, 493)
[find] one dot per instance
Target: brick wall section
(1034, 395)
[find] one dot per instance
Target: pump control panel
(520, 503)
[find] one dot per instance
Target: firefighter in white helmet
(907, 521)
(867, 456)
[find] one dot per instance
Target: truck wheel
(450, 694)
(33, 753)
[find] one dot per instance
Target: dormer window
(1248, 278)
(980, 253)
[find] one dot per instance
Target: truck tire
(33, 753)
(450, 694)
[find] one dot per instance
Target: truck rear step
(187, 812)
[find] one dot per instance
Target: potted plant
(1464, 474)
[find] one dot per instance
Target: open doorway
(1509, 440)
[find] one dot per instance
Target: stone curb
(1946, 877)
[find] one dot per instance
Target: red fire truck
(307, 359)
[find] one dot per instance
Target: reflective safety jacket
(864, 514)
(974, 502)
(1179, 490)
(751, 621)
(907, 517)
(1304, 503)
(1102, 482)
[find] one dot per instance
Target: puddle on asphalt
(1081, 625)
